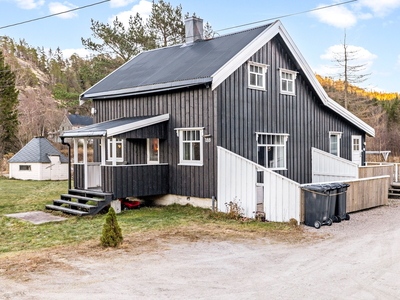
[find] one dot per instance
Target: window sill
(194, 164)
(118, 160)
(277, 169)
(288, 94)
(256, 88)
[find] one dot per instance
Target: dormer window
(288, 80)
(257, 75)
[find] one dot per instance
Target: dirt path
(359, 260)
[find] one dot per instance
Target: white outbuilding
(39, 160)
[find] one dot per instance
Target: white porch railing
(94, 175)
(237, 182)
(327, 167)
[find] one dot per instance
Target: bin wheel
(317, 224)
(126, 207)
(347, 217)
(338, 219)
(329, 222)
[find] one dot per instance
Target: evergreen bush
(112, 235)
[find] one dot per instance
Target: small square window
(271, 150)
(257, 75)
(287, 81)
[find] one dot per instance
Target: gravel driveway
(359, 259)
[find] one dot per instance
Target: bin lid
(319, 188)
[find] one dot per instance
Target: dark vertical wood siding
(79, 176)
(243, 112)
(187, 108)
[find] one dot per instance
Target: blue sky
(372, 27)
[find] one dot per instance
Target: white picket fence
(237, 182)
(327, 167)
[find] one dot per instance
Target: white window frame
(109, 147)
(285, 135)
(152, 162)
(182, 162)
(264, 71)
(339, 135)
(29, 168)
(294, 73)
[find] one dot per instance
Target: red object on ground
(126, 204)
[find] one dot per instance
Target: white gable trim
(241, 57)
(136, 125)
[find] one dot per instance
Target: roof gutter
(162, 87)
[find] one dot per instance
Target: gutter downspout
(69, 161)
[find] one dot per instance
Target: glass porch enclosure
(113, 170)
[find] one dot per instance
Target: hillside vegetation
(379, 110)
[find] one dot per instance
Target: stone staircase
(394, 191)
(76, 202)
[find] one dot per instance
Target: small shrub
(234, 210)
(293, 223)
(112, 235)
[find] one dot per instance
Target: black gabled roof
(37, 151)
(80, 120)
(182, 65)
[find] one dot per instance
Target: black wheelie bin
(341, 202)
(318, 204)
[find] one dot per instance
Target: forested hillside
(380, 110)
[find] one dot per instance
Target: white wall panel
(327, 167)
(237, 179)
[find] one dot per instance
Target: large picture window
(257, 75)
(288, 80)
(334, 142)
(271, 150)
(190, 146)
(119, 152)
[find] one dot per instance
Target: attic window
(257, 75)
(288, 78)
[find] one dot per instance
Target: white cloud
(82, 52)
(29, 4)
(338, 16)
(57, 7)
(120, 3)
(373, 88)
(361, 56)
(143, 8)
(380, 8)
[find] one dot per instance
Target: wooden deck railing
(377, 170)
(135, 180)
(367, 192)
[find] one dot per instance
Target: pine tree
(8, 108)
(112, 235)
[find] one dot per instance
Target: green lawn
(22, 196)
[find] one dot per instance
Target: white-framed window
(153, 153)
(190, 146)
(271, 150)
(334, 142)
(119, 152)
(257, 75)
(25, 168)
(288, 81)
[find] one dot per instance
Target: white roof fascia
(241, 57)
(136, 125)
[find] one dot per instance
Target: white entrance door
(356, 149)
